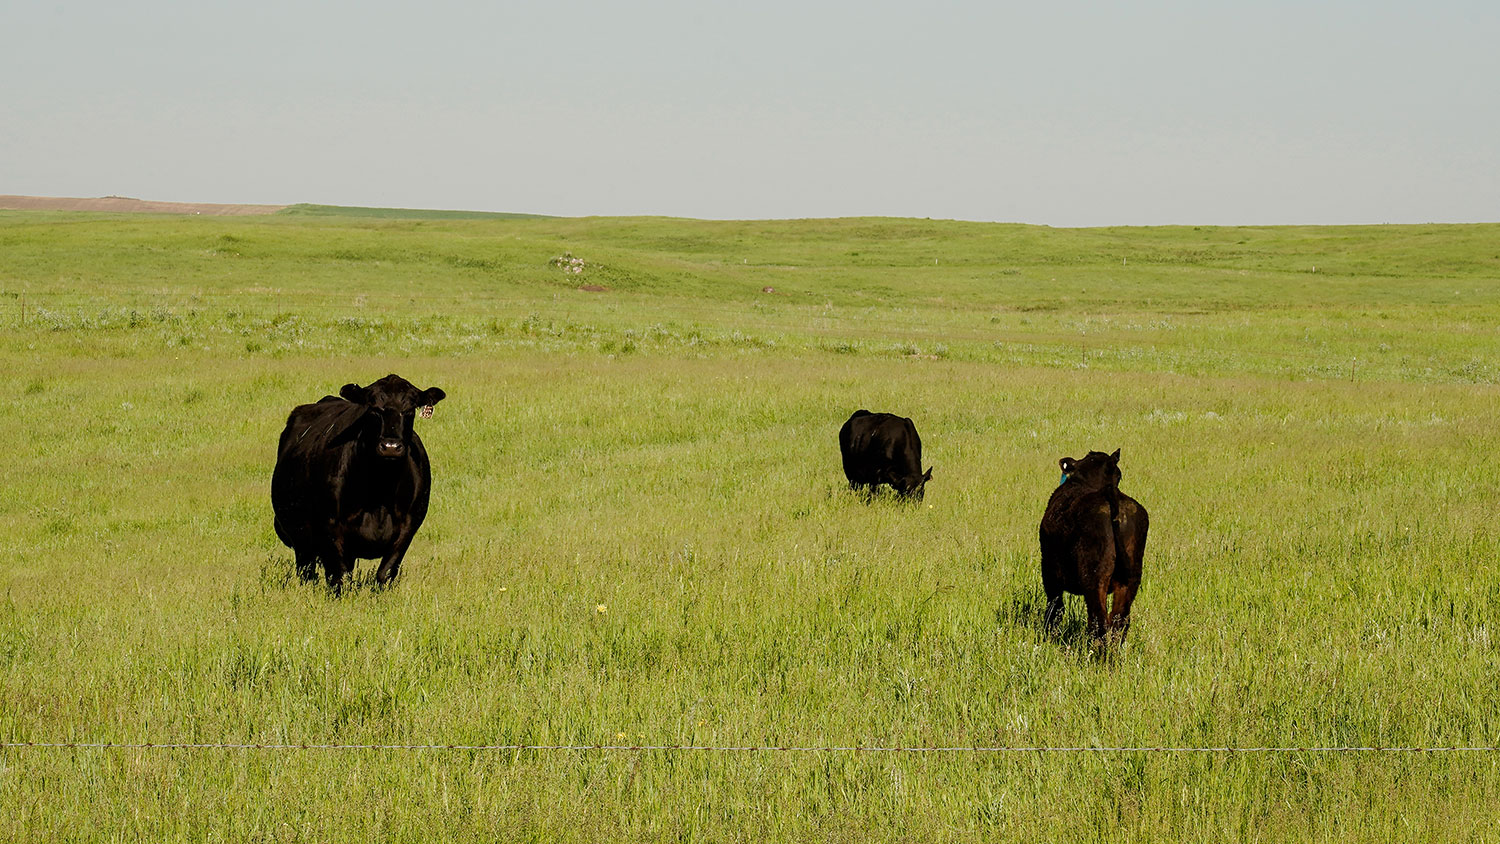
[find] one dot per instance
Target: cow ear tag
(1064, 479)
(426, 411)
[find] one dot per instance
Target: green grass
(309, 210)
(1312, 446)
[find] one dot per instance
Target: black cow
(883, 448)
(352, 478)
(1093, 539)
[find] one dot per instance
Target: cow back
(878, 447)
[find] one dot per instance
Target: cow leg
(1098, 614)
(1052, 586)
(334, 571)
(390, 565)
(336, 563)
(1119, 611)
(307, 564)
(1096, 551)
(1054, 612)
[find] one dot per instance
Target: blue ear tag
(1064, 479)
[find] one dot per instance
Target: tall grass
(1320, 571)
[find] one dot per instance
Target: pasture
(640, 533)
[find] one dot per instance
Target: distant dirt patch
(594, 288)
(125, 204)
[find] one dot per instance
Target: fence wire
(711, 748)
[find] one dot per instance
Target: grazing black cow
(352, 478)
(883, 448)
(1093, 539)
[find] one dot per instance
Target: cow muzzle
(390, 448)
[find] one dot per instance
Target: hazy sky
(1064, 113)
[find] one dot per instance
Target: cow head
(391, 404)
(912, 486)
(1096, 470)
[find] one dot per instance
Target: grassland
(1307, 412)
(311, 210)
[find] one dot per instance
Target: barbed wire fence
(748, 749)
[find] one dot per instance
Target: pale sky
(1060, 113)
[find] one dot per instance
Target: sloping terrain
(129, 204)
(641, 536)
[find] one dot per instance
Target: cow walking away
(352, 478)
(1093, 538)
(883, 448)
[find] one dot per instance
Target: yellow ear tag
(426, 412)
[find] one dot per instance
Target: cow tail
(1112, 495)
